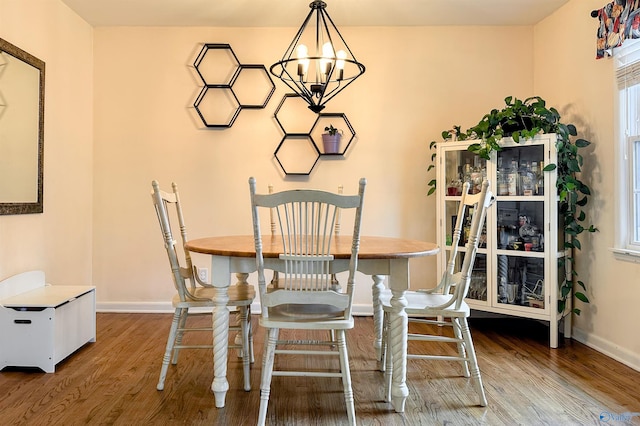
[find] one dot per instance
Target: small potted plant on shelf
(331, 140)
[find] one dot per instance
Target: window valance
(618, 21)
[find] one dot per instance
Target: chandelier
(318, 63)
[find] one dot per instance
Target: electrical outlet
(203, 274)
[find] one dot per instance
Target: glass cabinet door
(520, 227)
(464, 166)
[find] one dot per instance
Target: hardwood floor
(113, 382)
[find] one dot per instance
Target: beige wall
(569, 76)
(419, 81)
(108, 134)
(59, 240)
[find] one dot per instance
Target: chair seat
(313, 317)
(419, 301)
(239, 295)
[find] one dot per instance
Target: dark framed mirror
(21, 131)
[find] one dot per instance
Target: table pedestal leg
(220, 385)
(398, 345)
(378, 315)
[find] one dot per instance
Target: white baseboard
(135, 307)
(167, 308)
(608, 348)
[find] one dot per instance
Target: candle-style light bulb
(327, 51)
(327, 58)
(342, 55)
(303, 60)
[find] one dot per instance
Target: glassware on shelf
(536, 176)
(532, 294)
(501, 177)
(512, 293)
(466, 171)
(466, 226)
(476, 180)
(478, 279)
(452, 188)
(527, 180)
(513, 178)
(477, 174)
(521, 281)
(455, 186)
(540, 177)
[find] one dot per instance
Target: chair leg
(461, 346)
(388, 365)
(167, 353)
(246, 350)
(473, 362)
(238, 339)
(267, 373)
(383, 343)
(184, 313)
(250, 330)
(346, 376)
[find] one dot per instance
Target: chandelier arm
(333, 92)
(289, 80)
(336, 88)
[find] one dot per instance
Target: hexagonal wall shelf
(217, 64)
(229, 85)
(297, 154)
(339, 121)
(217, 106)
(252, 86)
(301, 147)
(293, 115)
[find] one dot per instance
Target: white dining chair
(444, 305)
(272, 222)
(305, 298)
(194, 293)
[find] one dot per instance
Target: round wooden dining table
(378, 257)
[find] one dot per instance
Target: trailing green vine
(523, 120)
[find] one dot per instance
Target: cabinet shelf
(520, 253)
(519, 271)
(520, 198)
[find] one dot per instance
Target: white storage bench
(40, 324)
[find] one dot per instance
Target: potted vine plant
(331, 140)
(521, 120)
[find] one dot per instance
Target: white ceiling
(290, 13)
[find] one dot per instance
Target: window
(634, 223)
(628, 153)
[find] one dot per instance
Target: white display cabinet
(519, 263)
